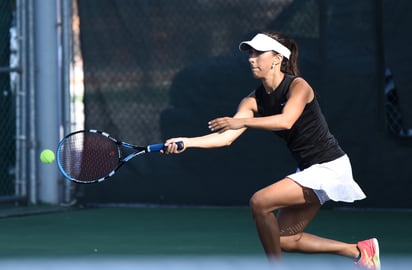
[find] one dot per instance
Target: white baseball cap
(263, 43)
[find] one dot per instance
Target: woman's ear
(278, 59)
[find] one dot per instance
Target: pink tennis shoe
(369, 250)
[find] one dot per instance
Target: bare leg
(263, 203)
(294, 220)
(310, 243)
(298, 206)
(269, 233)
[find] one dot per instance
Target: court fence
(145, 71)
(21, 180)
(8, 70)
(160, 69)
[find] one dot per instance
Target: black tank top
(309, 139)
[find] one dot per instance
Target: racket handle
(160, 146)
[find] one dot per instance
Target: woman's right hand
(173, 148)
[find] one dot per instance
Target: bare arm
(300, 94)
(246, 109)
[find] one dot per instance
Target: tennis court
(181, 238)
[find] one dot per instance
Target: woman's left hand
(225, 123)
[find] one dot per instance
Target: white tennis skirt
(330, 180)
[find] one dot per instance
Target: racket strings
(89, 156)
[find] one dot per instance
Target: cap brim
(244, 46)
(247, 45)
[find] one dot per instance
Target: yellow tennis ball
(47, 156)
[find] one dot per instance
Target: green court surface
(180, 232)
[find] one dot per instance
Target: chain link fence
(393, 112)
(140, 46)
(162, 68)
(156, 69)
(7, 104)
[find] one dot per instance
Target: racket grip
(160, 146)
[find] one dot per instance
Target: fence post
(47, 94)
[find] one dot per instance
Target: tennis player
(286, 104)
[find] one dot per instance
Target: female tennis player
(286, 104)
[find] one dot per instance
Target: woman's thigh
(282, 194)
(296, 205)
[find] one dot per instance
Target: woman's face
(261, 63)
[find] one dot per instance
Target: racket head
(88, 156)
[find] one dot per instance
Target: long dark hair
(290, 65)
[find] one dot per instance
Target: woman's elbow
(229, 143)
(226, 143)
(287, 124)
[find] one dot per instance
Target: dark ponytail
(290, 65)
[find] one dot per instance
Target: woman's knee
(256, 204)
(259, 204)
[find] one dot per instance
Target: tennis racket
(92, 156)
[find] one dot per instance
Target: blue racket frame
(121, 160)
